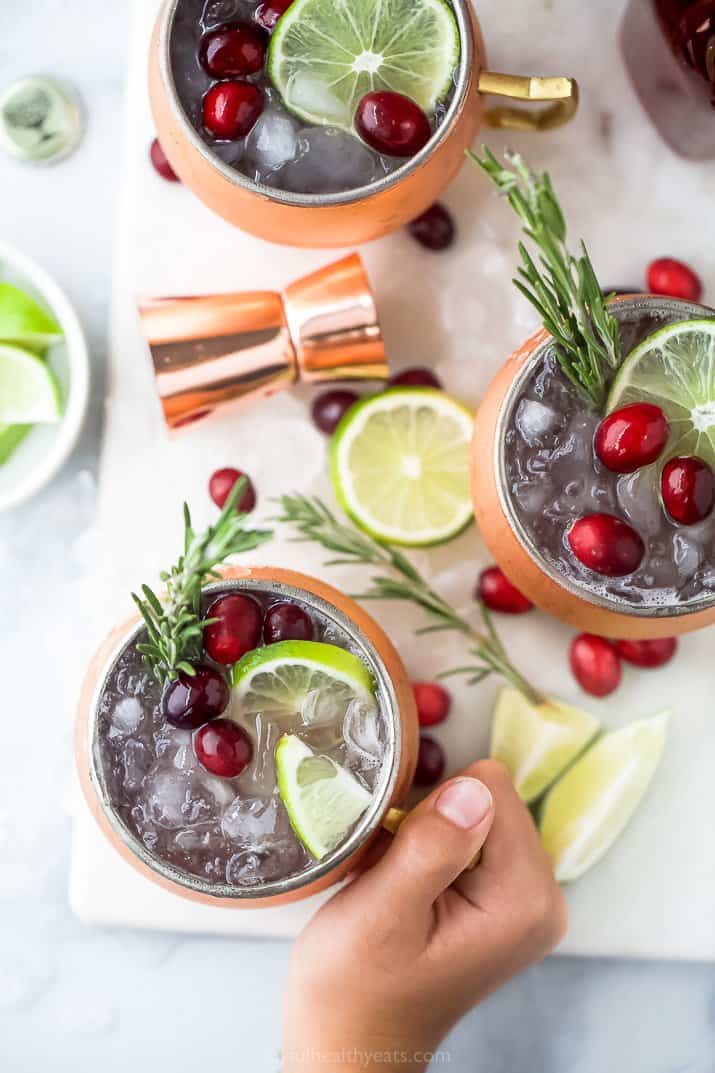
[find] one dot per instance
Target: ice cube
(330, 160)
(218, 11)
(250, 819)
(363, 732)
(174, 798)
(125, 718)
(639, 499)
(265, 862)
(307, 92)
(272, 142)
(136, 762)
(687, 553)
(322, 708)
(532, 495)
(535, 421)
(259, 778)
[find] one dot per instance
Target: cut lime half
(537, 742)
(29, 393)
(323, 800)
(587, 809)
(325, 55)
(675, 369)
(400, 466)
(24, 321)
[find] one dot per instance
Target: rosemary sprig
(563, 288)
(174, 626)
(316, 523)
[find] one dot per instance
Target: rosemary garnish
(564, 288)
(174, 626)
(315, 522)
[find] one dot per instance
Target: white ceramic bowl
(35, 462)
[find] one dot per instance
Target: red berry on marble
(434, 229)
(234, 49)
(231, 108)
(329, 408)
(223, 748)
(431, 762)
(268, 13)
(688, 489)
(161, 164)
(647, 653)
(433, 703)
(606, 545)
(191, 700)
(237, 629)
(287, 622)
(418, 376)
(595, 663)
(632, 437)
(221, 484)
(671, 277)
(498, 594)
(392, 124)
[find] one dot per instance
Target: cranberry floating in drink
(194, 697)
(230, 109)
(234, 50)
(287, 622)
(632, 437)
(236, 629)
(223, 748)
(688, 490)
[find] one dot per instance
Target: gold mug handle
(562, 92)
(395, 817)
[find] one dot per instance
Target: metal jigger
(214, 353)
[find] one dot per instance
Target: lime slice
(29, 393)
(24, 321)
(587, 809)
(322, 799)
(278, 678)
(400, 466)
(675, 369)
(537, 742)
(325, 55)
(11, 436)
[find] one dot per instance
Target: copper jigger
(214, 353)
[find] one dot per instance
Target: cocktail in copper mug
(376, 203)
(200, 837)
(534, 472)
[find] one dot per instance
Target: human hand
(387, 966)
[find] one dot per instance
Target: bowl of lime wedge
(44, 377)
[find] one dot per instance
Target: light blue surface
(79, 1000)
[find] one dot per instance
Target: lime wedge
(587, 809)
(29, 393)
(675, 369)
(537, 742)
(322, 799)
(11, 436)
(24, 321)
(400, 466)
(278, 678)
(325, 55)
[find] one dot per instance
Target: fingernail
(465, 802)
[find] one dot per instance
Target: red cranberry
(268, 13)
(671, 277)
(161, 164)
(433, 703)
(688, 489)
(329, 408)
(237, 629)
(287, 622)
(237, 48)
(434, 229)
(647, 653)
(221, 484)
(191, 700)
(231, 108)
(415, 377)
(223, 748)
(595, 663)
(392, 124)
(632, 437)
(430, 762)
(498, 594)
(606, 544)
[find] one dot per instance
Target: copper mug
(351, 217)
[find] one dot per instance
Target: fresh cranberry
(430, 762)
(287, 622)
(647, 653)
(498, 594)
(434, 229)
(221, 484)
(688, 489)
(329, 408)
(418, 376)
(632, 437)
(268, 13)
(595, 663)
(237, 48)
(223, 748)
(231, 108)
(237, 629)
(161, 164)
(392, 124)
(606, 545)
(191, 700)
(433, 703)
(671, 277)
